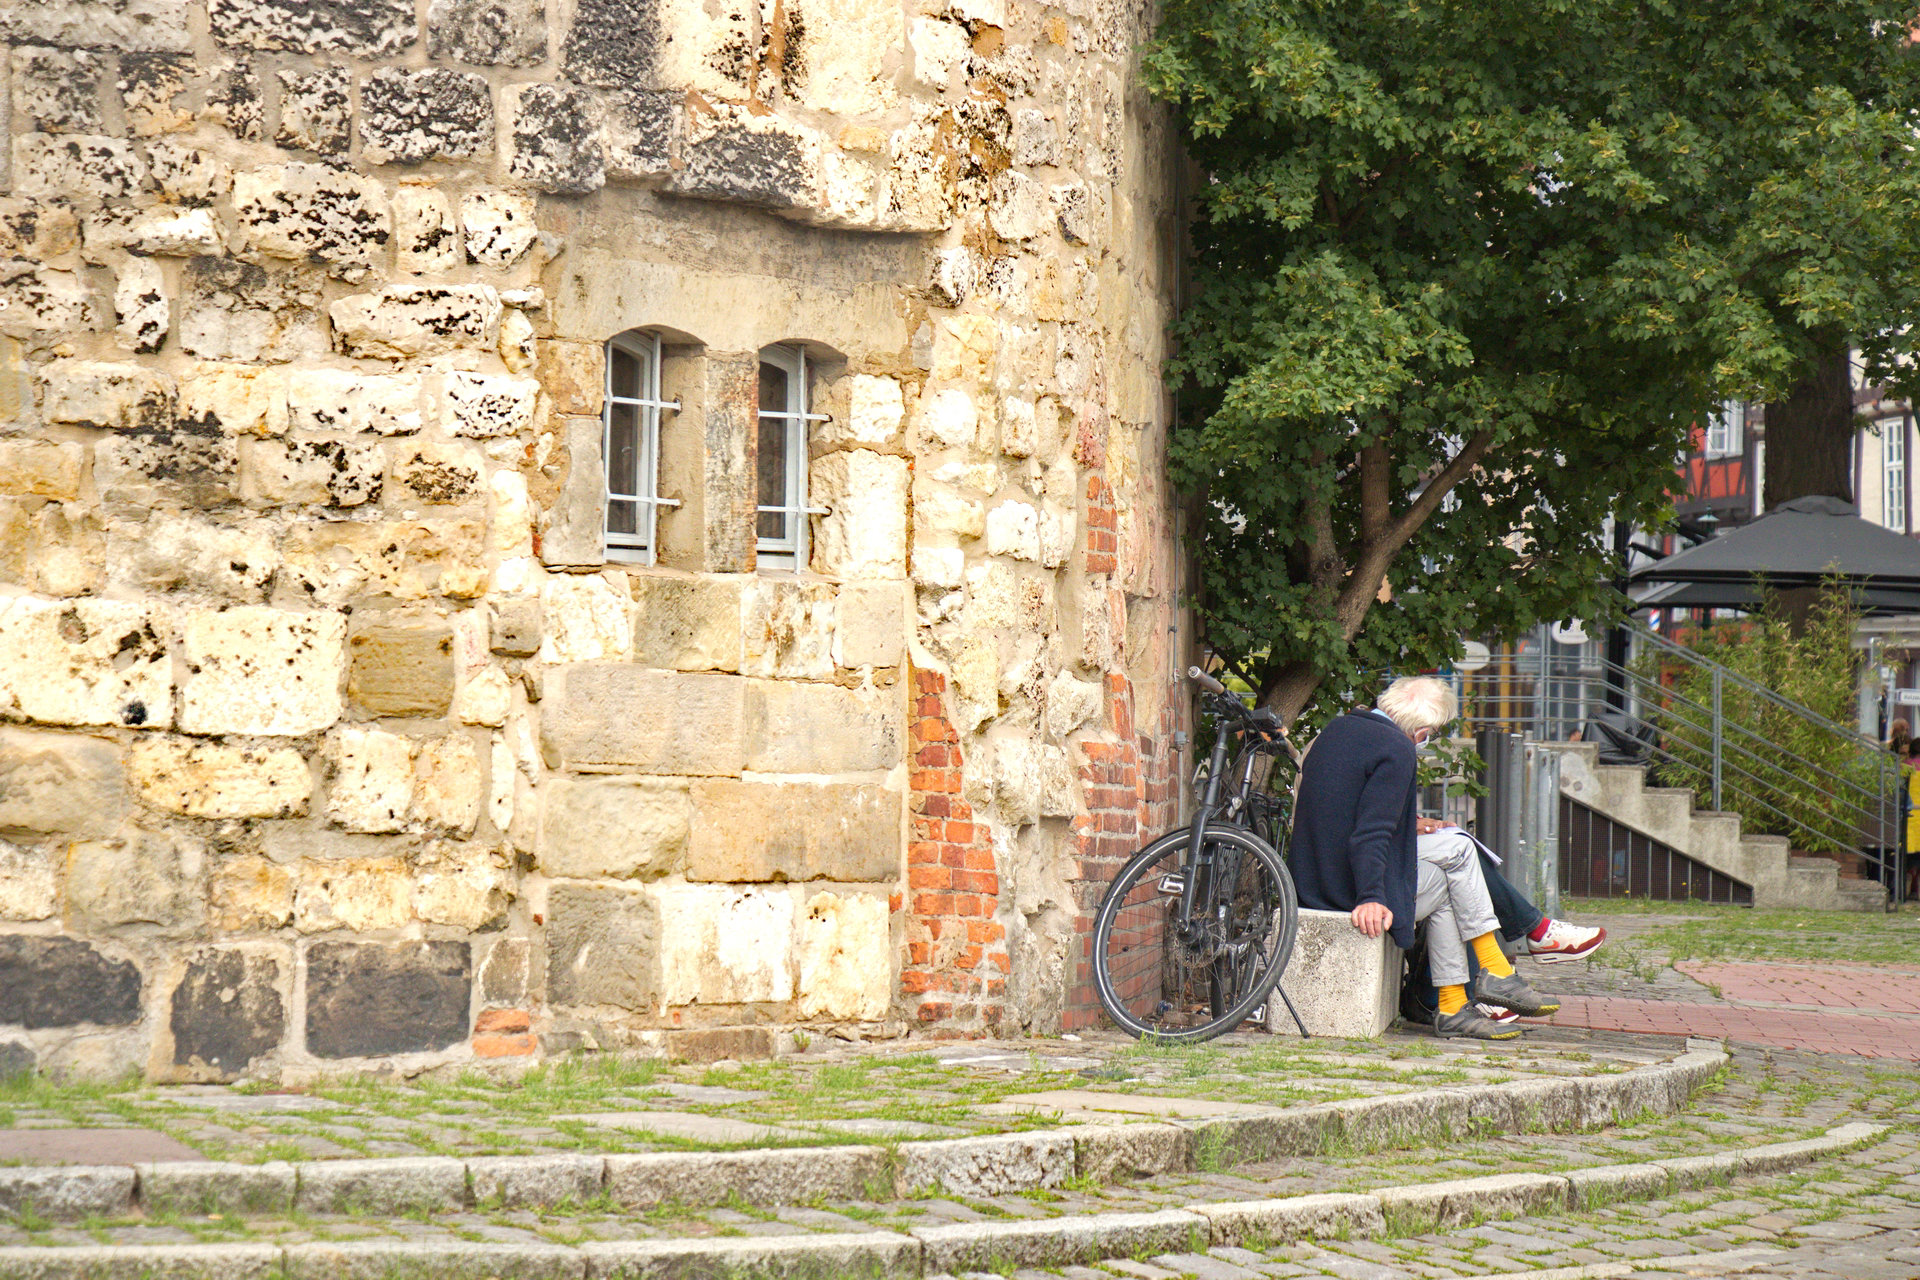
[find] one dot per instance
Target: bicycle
(1194, 932)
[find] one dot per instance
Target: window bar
(646, 540)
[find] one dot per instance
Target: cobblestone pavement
(836, 1092)
(1856, 1216)
(833, 1093)
(1853, 1218)
(1765, 1097)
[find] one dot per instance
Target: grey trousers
(1452, 899)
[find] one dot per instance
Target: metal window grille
(630, 446)
(782, 523)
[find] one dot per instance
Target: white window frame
(643, 546)
(789, 552)
(1726, 430)
(1893, 473)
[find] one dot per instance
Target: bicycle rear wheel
(1159, 980)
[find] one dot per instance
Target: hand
(1427, 826)
(1372, 918)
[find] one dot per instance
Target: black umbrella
(1801, 543)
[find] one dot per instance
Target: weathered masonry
(535, 524)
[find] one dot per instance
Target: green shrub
(1782, 773)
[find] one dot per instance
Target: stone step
(1710, 818)
(1620, 782)
(1715, 838)
(1861, 895)
(943, 1251)
(1667, 810)
(1813, 882)
(1152, 1139)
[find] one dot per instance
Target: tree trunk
(1810, 433)
(1290, 690)
(1810, 449)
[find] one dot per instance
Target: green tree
(1463, 275)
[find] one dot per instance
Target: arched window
(781, 461)
(631, 447)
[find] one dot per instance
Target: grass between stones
(1687, 931)
(859, 1096)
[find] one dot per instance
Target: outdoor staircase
(1778, 877)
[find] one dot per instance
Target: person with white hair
(1356, 849)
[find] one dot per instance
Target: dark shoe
(1470, 1024)
(1511, 992)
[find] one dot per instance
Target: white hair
(1419, 702)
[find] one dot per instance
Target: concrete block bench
(1342, 982)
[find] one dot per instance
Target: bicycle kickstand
(1295, 1012)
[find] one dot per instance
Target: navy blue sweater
(1353, 826)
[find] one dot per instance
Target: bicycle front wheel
(1165, 978)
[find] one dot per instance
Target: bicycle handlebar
(1205, 681)
(1261, 719)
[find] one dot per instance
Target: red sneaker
(1563, 942)
(1493, 1013)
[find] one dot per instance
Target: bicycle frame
(1197, 857)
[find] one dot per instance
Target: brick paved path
(1826, 1031)
(1865, 1011)
(1874, 988)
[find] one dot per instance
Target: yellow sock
(1453, 999)
(1486, 949)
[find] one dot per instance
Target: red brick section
(955, 977)
(1103, 527)
(1826, 986)
(1131, 788)
(1868, 1012)
(503, 1033)
(1860, 1035)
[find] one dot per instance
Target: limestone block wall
(335, 736)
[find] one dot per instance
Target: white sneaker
(1564, 942)
(1494, 1013)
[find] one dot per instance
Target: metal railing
(1734, 743)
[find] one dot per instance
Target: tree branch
(1439, 487)
(1376, 512)
(1363, 582)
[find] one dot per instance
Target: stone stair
(1779, 878)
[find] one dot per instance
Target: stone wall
(333, 737)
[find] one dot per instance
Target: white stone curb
(825, 1257)
(962, 1246)
(1054, 1242)
(984, 1166)
(442, 1260)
